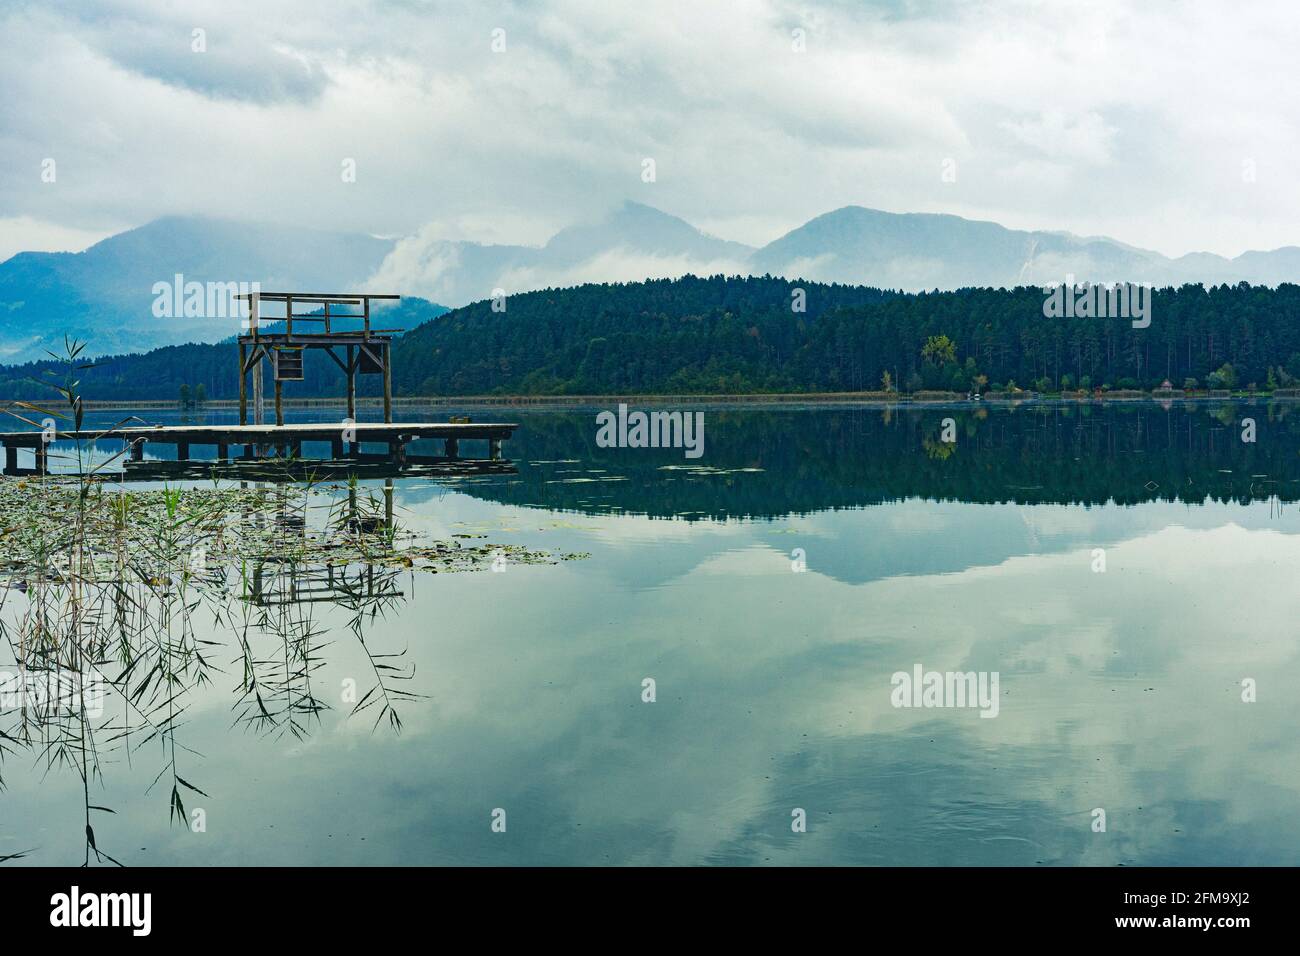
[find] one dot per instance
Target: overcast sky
(1139, 120)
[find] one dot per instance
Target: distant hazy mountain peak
(636, 226)
(104, 294)
(915, 251)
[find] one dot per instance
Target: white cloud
(25, 234)
(1086, 138)
(1119, 118)
(423, 264)
(618, 265)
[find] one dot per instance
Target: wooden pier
(258, 442)
(340, 327)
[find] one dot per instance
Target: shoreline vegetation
(224, 527)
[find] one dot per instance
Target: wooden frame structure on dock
(365, 350)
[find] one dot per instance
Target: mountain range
(105, 295)
(853, 245)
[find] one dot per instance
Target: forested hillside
(741, 335)
(716, 334)
(733, 335)
(1224, 337)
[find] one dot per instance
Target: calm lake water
(1120, 690)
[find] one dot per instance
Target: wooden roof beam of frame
(351, 298)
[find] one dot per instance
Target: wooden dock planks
(258, 439)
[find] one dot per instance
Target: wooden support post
(453, 448)
(254, 310)
(279, 408)
(336, 448)
(182, 451)
(352, 383)
(259, 405)
(250, 451)
(223, 451)
(388, 383)
(243, 385)
(11, 458)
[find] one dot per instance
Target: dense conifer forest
(724, 336)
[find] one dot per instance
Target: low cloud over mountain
(912, 252)
(634, 242)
